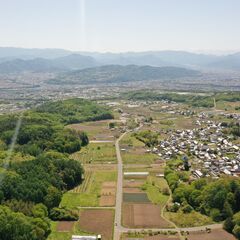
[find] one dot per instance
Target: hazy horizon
(122, 26)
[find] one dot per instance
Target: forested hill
(40, 170)
(119, 74)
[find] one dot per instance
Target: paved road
(118, 209)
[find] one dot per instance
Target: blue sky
(121, 25)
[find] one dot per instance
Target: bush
(62, 214)
(187, 208)
(216, 215)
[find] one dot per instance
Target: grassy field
(138, 158)
(96, 153)
(55, 235)
(131, 141)
(98, 130)
(192, 219)
(89, 198)
(135, 151)
(154, 188)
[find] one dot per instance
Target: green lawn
(90, 198)
(96, 153)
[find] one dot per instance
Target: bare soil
(132, 190)
(65, 226)
(215, 234)
(133, 184)
(143, 216)
(98, 221)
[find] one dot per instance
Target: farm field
(135, 198)
(134, 151)
(64, 230)
(98, 130)
(98, 221)
(96, 153)
(215, 234)
(91, 195)
(143, 216)
(157, 190)
(152, 236)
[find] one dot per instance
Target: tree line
(40, 170)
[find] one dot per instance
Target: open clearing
(96, 153)
(143, 216)
(65, 226)
(98, 221)
(215, 234)
(98, 130)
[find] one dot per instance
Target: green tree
(53, 197)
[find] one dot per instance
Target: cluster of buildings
(207, 148)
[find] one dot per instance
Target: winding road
(119, 229)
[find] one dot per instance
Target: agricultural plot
(91, 197)
(215, 234)
(108, 194)
(135, 198)
(143, 216)
(65, 226)
(96, 153)
(157, 190)
(65, 230)
(138, 155)
(150, 235)
(133, 151)
(98, 221)
(84, 187)
(98, 130)
(133, 183)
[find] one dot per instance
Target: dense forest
(190, 99)
(34, 177)
(218, 199)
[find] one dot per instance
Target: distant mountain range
(122, 74)
(16, 60)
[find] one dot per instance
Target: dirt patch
(157, 237)
(159, 161)
(65, 226)
(215, 234)
(132, 190)
(161, 237)
(132, 184)
(143, 216)
(108, 193)
(98, 222)
(107, 201)
(109, 184)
